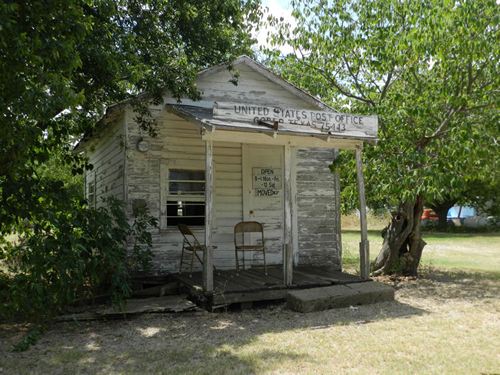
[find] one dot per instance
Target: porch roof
(237, 130)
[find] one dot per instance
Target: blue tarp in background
(464, 212)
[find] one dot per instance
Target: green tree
(63, 62)
(429, 70)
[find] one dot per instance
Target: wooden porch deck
(252, 285)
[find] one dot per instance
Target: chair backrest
(247, 227)
(188, 235)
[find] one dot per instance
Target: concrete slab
(335, 296)
(372, 292)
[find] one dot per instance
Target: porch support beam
(208, 275)
(364, 257)
(288, 227)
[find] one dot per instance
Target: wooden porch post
(208, 275)
(288, 228)
(364, 257)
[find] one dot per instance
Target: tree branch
(335, 84)
(387, 84)
(356, 81)
(441, 129)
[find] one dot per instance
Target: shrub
(71, 252)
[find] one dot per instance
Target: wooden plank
(326, 273)
(231, 284)
(195, 279)
(125, 156)
(288, 228)
(256, 70)
(273, 276)
(248, 281)
(252, 137)
(224, 281)
(294, 207)
(301, 278)
(263, 280)
(328, 122)
(364, 262)
(336, 213)
(275, 272)
(208, 276)
(172, 304)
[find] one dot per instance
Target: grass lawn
(461, 251)
(445, 322)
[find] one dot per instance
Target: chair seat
(197, 248)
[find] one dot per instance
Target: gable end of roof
(273, 77)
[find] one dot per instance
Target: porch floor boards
(252, 285)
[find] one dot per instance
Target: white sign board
(332, 123)
(266, 182)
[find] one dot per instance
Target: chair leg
(192, 263)
(199, 259)
(182, 259)
(237, 263)
(265, 266)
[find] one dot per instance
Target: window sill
(195, 229)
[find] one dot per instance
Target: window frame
(165, 197)
(91, 189)
(186, 197)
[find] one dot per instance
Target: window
(91, 194)
(186, 197)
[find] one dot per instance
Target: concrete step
(329, 297)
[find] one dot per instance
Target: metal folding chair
(190, 244)
(240, 230)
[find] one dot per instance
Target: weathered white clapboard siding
(317, 208)
(228, 198)
(179, 145)
(251, 87)
(106, 153)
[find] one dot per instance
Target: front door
(263, 195)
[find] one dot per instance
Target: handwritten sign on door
(266, 182)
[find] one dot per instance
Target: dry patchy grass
(445, 322)
(441, 323)
(459, 251)
(375, 221)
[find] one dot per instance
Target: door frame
(246, 165)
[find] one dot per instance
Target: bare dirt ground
(444, 322)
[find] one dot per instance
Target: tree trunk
(403, 245)
(441, 209)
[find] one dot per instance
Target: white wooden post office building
(257, 151)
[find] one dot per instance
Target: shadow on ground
(219, 343)
(188, 343)
(451, 285)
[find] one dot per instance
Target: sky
(278, 8)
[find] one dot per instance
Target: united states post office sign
(266, 182)
(328, 122)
